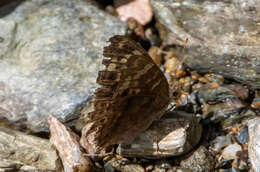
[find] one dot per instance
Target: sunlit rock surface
(219, 36)
(18, 151)
(51, 53)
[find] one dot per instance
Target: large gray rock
(18, 150)
(51, 53)
(223, 36)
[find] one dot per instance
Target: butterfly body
(133, 93)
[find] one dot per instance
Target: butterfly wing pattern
(133, 93)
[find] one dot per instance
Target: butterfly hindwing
(133, 93)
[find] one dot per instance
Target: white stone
(254, 143)
(230, 151)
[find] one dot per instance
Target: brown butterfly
(133, 93)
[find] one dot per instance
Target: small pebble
(149, 168)
(163, 165)
(158, 170)
(201, 160)
(240, 91)
(239, 164)
(230, 152)
(221, 142)
(155, 53)
(195, 76)
(171, 65)
(256, 102)
(242, 137)
(214, 78)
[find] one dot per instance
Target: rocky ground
(51, 52)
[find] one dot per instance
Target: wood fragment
(67, 144)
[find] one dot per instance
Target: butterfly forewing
(133, 93)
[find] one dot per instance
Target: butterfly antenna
(183, 48)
